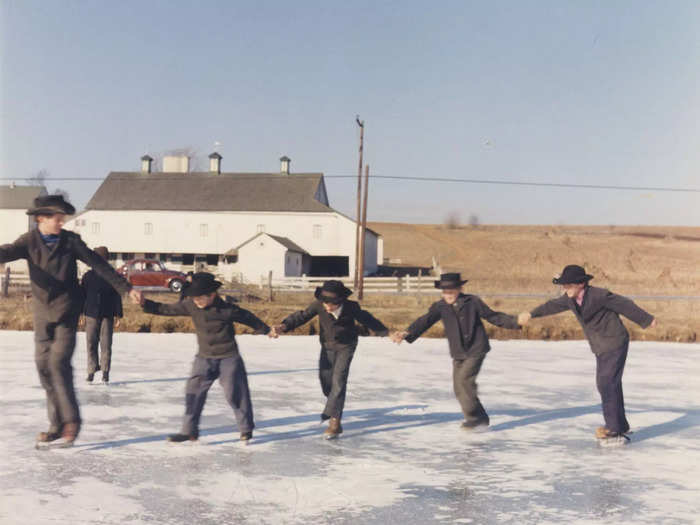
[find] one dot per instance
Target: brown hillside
(518, 259)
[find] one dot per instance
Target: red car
(149, 272)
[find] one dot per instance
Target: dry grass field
(643, 261)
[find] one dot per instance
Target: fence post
(269, 286)
(419, 281)
(6, 283)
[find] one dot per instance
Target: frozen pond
(402, 458)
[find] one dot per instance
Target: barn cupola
(215, 163)
(284, 165)
(146, 162)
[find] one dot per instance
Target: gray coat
(54, 272)
(214, 324)
(341, 331)
(463, 327)
(599, 316)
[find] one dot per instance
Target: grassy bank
(679, 320)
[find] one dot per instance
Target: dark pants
(54, 346)
(609, 368)
(333, 371)
(233, 378)
(464, 372)
(98, 331)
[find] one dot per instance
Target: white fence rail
(407, 284)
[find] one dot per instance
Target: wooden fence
(407, 284)
(13, 279)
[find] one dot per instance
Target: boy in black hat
(338, 334)
(51, 254)
(598, 311)
(102, 311)
(218, 355)
(461, 315)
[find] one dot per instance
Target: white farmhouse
(216, 220)
(14, 221)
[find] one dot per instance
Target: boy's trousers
(98, 331)
(233, 378)
(54, 345)
(333, 371)
(609, 368)
(464, 372)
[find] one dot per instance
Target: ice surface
(402, 458)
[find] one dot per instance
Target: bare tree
(39, 178)
(60, 191)
(474, 220)
(452, 221)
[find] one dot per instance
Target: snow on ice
(402, 458)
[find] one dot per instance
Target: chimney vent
(215, 163)
(176, 164)
(146, 164)
(284, 165)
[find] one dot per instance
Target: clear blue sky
(549, 91)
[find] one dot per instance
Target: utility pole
(361, 124)
(362, 237)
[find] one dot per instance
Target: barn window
(203, 230)
(95, 227)
(317, 231)
(260, 228)
(148, 228)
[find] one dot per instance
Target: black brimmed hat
(203, 283)
(449, 280)
(333, 292)
(50, 205)
(572, 274)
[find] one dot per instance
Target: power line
(252, 176)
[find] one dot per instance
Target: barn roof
(209, 192)
(19, 197)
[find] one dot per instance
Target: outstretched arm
(101, 267)
(367, 319)
(297, 319)
(173, 309)
(420, 325)
(551, 307)
(248, 318)
(496, 318)
(14, 251)
(627, 307)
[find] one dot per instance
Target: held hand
(653, 323)
(136, 296)
(279, 329)
(398, 337)
(81, 322)
(272, 334)
(524, 318)
(117, 322)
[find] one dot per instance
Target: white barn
(211, 220)
(14, 221)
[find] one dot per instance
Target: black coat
(341, 331)
(463, 327)
(101, 299)
(214, 324)
(54, 272)
(599, 316)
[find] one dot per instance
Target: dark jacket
(463, 327)
(341, 331)
(214, 324)
(54, 273)
(599, 316)
(101, 299)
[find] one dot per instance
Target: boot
(90, 377)
(246, 437)
(334, 429)
(105, 377)
(68, 435)
(47, 437)
(605, 433)
(476, 424)
(180, 438)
